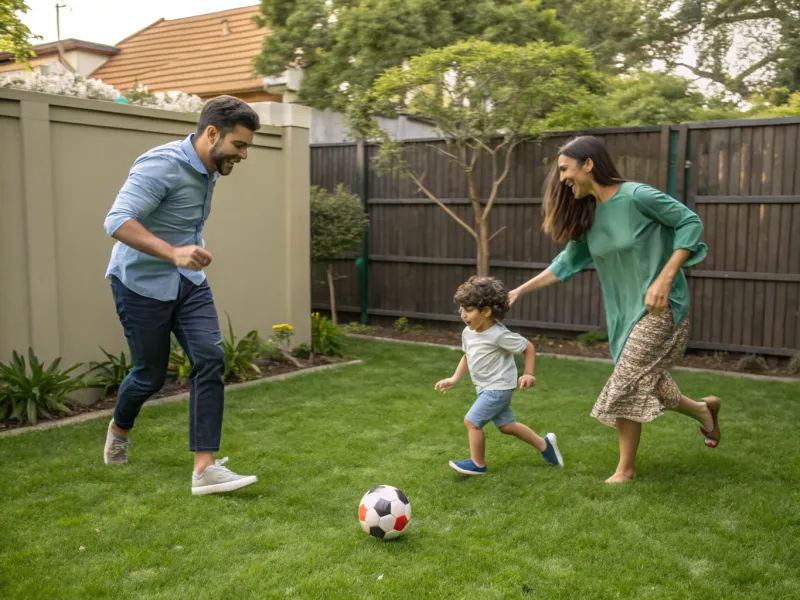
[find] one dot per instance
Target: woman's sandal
(712, 437)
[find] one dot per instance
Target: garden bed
(269, 368)
(698, 359)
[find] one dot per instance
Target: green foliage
(338, 222)
(15, 37)
(302, 351)
(109, 373)
(476, 92)
(342, 46)
(634, 99)
(326, 338)
(590, 338)
(32, 391)
(180, 367)
(779, 103)
(358, 328)
(240, 355)
(744, 46)
(402, 325)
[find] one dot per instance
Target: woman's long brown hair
(565, 217)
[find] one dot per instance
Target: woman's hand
(512, 296)
(657, 297)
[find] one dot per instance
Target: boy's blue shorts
(491, 405)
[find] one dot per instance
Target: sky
(110, 21)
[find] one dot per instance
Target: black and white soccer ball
(384, 512)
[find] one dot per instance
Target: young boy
(489, 355)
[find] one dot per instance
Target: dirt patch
(698, 359)
(172, 387)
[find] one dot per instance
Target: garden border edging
(107, 412)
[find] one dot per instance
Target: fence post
(40, 221)
(362, 263)
(672, 164)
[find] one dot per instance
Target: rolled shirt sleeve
(149, 181)
(573, 259)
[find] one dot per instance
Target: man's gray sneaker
(116, 450)
(216, 479)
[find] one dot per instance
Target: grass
(697, 522)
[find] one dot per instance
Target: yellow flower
(282, 327)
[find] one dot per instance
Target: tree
(763, 35)
(342, 46)
(486, 99)
(635, 99)
(14, 34)
(338, 224)
(744, 46)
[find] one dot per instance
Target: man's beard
(218, 158)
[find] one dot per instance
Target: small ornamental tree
(338, 224)
(485, 99)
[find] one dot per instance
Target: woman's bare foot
(620, 477)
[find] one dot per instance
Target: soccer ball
(384, 512)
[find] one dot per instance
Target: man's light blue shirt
(169, 192)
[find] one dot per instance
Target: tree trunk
(483, 248)
(332, 294)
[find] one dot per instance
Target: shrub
(239, 355)
(590, 338)
(30, 391)
(326, 338)
(180, 367)
(109, 373)
(401, 325)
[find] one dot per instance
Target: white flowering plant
(68, 84)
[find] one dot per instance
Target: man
(158, 284)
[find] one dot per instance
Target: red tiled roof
(191, 55)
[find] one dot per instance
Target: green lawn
(697, 522)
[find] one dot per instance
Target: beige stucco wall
(61, 164)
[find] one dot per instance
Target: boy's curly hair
(480, 292)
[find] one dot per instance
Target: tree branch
(496, 233)
(458, 161)
(427, 192)
(705, 74)
(496, 183)
(755, 67)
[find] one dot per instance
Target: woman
(638, 239)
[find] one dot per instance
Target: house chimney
(226, 29)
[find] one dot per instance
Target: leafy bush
(239, 355)
(401, 325)
(180, 367)
(326, 338)
(590, 338)
(110, 372)
(30, 391)
(302, 351)
(358, 328)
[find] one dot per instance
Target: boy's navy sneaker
(551, 453)
(467, 467)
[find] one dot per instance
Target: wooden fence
(741, 178)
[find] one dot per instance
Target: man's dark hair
(481, 292)
(225, 113)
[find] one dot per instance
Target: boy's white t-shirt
(490, 357)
